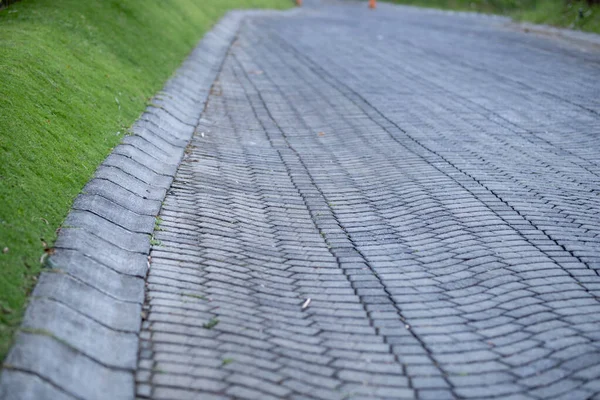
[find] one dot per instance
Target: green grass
(562, 13)
(75, 74)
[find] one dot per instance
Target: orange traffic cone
(299, 3)
(372, 4)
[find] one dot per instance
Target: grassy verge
(562, 13)
(74, 76)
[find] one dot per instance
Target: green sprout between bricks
(157, 223)
(211, 324)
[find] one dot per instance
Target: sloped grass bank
(74, 75)
(581, 15)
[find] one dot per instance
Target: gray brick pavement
(428, 180)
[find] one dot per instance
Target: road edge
(570, 35)
(573, 36)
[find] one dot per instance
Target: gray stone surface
(120, 260)
(115, 314)
(109, 231)
(429, 180)
(135, 202)
(98, 276)
(115, 213)
(25, 385)
(85, 334)
(59, 367)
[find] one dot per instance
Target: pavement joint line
(76, 278)
(96, 213)
(54, 299)
(43, 379)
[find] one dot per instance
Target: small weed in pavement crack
(197, 296)
(157, 222)
(211, 324)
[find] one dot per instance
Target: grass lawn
(75, 74)
(562, 13)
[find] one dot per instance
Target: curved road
(391, 204)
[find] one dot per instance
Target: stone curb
(79, 336)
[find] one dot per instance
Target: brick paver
(429, 181)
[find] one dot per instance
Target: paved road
(429, 181)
